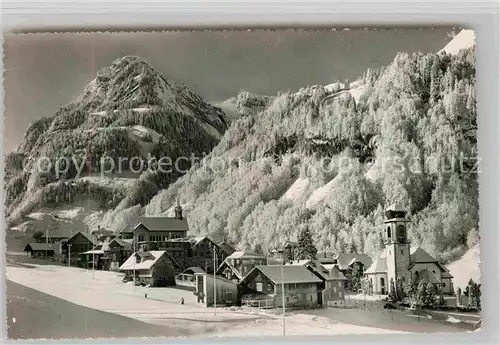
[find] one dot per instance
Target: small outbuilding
(39, 250)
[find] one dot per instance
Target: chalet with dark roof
(77, 244)
(156, 229)
(300, 285)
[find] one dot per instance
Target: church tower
(397, 246)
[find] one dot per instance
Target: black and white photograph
(241, 183)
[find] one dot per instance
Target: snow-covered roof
(131, 264)
(227, 263)
(127, 244)
(379, 265)
(245, 254)
(336, 274)
(328, 266)
(345, 260)
(298, 263)
(93, 252)
(194, 270)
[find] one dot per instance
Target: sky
(46, 71)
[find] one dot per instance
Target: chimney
(178, 210)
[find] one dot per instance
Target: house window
(335, 289)
(388, 232)
(269, 287)
(288, 299)
(402, 251)
(141, 238)
(310, 298)
(259, 287)
(340, 294)
(382, 281)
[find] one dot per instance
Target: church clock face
(401, 233)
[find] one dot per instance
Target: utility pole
(283, 298)
(93, 262)
(135, 259)
(215, 282)
(46, 242)
(69, 255)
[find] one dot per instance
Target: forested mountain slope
(302, 162)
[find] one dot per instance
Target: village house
(170, 234)
(39, 250)
(80, 242)
(285, 252)
(160, 229)
(332, 287)
(326, 258)
(400, 262)
(347, 262)
(239, 264)
(195, 251)
(119, 251)
(126, 234)
(99, 256)
(300, 285)
(153, 268)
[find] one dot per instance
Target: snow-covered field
(297, 189)
(323, 192)
(103, 290)
(465, 268)
(298, 324)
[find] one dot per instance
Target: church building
(399, 262)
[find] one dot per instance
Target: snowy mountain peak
(132, 83)
(463, 40)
